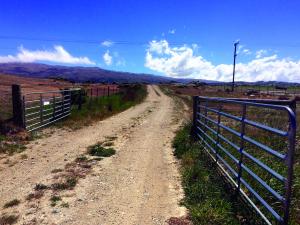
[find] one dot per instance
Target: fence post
(195, 106)
(240, 168)
(290, 162)
(18, 106)
(108, 91)
(41, 108)
(54, 104)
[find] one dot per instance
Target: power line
(85, 41)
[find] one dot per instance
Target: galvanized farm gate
(253, 143)
(44, 108)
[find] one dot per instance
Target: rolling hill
(78, 74)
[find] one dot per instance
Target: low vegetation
(208, 198)
(100, 151)
(97, 108)
(12, 203)
(8, 219)
(10, 145)
(54, 200)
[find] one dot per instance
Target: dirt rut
(138, 185)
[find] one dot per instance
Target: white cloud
(182, 62)
(56, 55)
(260, 53)
(107, 58)
(107, 43)
(172, 31)
(246, 51)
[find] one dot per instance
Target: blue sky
(171, 38)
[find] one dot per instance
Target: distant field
(240, 92)
(29, 85)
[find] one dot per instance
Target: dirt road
(138, 185)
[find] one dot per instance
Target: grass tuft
(68, 184)
(39, 187)
(8, 219)
(98, 150)
(54, 200)
(35, 195)
(11, 203)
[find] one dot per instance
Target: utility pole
(234, 57)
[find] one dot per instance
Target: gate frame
(290, 107)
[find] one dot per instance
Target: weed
(39, 187)
(54, 200)
(8, 219)
(68, 184)
(81, 158)
(98, 150)
(65, 205)
(11, 203)
(35, 195)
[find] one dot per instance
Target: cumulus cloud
(107, 58)
(183, 62)
(57, 55)
(107, 43)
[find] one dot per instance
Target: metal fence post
(194, 115)
(18, 106)
(240, 168)
(290, 164)
(218, 129)
(41, 108)
(54, 103)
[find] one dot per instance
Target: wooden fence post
(108, 91)
(18, 106)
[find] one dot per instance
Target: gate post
(194, 126)
(18, 106)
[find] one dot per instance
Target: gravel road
(139, 185)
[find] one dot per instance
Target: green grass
(98, 150)
(10, 146)
(209, 198)
(54, 200)
(68, 184)
(98, 108)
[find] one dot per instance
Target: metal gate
(44, 108)
(253, 144)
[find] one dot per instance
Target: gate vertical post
(240, 168)
(18, 106)
(195, 106)
(290, 162)
(41, 108)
